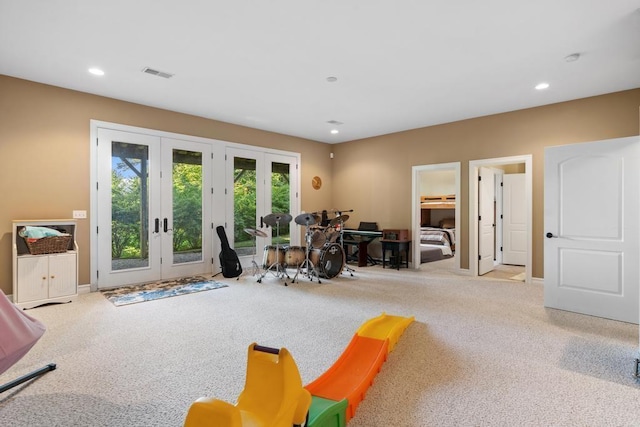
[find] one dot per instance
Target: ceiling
(399, 64)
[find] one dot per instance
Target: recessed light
(96, 71)
(334, 131)
(332, 79)
(542, 86)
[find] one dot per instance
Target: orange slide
(274, 397)
(352, 374)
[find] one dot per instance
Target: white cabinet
(45, 278)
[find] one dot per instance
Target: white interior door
(514, 220)
(591, 256)
(486, 220)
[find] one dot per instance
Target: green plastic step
(327, 413)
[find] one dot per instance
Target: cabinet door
(33, 278)
(62, 275)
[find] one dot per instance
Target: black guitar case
(228, 258)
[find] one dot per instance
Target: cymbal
(274, 219)
(306, 219)
(254, 232)
(339, 219)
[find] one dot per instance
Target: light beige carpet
(480, 353)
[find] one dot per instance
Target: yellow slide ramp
(384, 327)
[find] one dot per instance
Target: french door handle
(261, 222)
(157, 225)
(550, 235)
(165, 224)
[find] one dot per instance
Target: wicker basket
(48, 245)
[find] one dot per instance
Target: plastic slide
(273, 395)
(384, 327)
(352, 374)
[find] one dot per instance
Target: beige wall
(373, 176)
(44, 155)
(437, 183)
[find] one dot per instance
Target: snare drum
(273, 255)
(329, 261)
(294, 256)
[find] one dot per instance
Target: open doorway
(435, 213)
(500, 216)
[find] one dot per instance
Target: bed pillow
(448, 223)
(432, 237)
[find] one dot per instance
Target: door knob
(550, 235)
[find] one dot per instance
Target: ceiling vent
(157, 73)
(334, 122)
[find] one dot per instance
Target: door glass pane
(187, 206)
(280, 199)
(244, 204)
(129, 206)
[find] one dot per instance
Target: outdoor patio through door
(154, 201)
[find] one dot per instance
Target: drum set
(322, 257)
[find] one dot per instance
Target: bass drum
(329, 261)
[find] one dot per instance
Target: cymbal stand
(254, 264)
(307, 263)
(341, 239)
(280, 271)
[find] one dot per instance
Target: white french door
(259, 184)
(153, 208)
(186, 208)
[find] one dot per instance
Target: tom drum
(294, 256)
(273, 255)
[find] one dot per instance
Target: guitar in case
(228, 258)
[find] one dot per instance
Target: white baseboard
(537, 281)
(84, 289)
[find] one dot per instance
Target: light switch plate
(80, 214)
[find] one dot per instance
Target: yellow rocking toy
(273, 395)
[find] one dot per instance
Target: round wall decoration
(316, 182)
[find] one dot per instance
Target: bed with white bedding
(436, 243)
